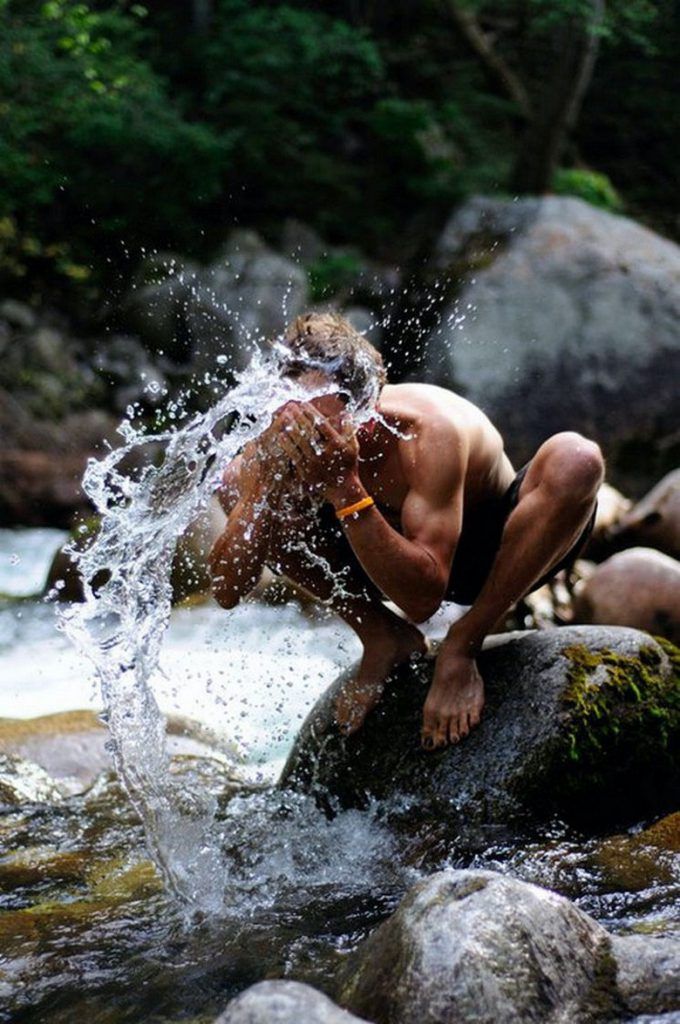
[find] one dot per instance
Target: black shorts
(476, 549)
(480, 540)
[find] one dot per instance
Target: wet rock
(570, 321)
(477, 947)
(34, 865)
(22, 782)
(284, 1002)
(655, 520)
(648, 972)
(664, 834)
(581, 722)
(42, 463)
(639, 587)
(73, 748)
(631, 863)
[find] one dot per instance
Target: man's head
(320, 346)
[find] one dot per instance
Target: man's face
(331, 405)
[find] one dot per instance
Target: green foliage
(332, 273)
(313, 122)
(594, 188)
(92, 147)
(125, 127)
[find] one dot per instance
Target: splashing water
(120, 624)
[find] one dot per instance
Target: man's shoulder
(428, 404)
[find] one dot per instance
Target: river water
(87, 925)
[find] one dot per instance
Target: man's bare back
(357, 516)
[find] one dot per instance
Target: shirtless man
(419, 504)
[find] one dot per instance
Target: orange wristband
(358, 506)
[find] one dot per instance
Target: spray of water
(120, 624)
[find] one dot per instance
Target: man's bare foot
(455, 700)
(382, 654)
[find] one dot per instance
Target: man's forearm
(239, 554)
(403, 571)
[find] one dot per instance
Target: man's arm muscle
(413, 569)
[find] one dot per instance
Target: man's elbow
(227, 597)
(423, 607)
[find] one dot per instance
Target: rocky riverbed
(320, 901)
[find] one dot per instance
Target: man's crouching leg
(315, 557)
(555, 502)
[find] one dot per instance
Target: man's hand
(265, 466)
(454, 703)
(324, 455)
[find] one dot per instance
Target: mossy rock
(581, 722)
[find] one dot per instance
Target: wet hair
(327, 342)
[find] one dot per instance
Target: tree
(543, 57)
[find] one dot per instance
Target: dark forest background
(128, 127)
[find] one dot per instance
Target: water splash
(126, 579)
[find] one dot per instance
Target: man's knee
(573, 467)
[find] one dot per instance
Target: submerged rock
(582, 722)
(648, 972)
(72, 748)
(284, 1002)
(475, 947)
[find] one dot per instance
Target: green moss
(609, 693)
(616, 758)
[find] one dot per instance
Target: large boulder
(284, 1002)
(583, 722)
(474, 947)
(570, 319)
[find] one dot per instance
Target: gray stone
(582, 721)
(649, 973)
(284, 1002)
(18, 314)
(246, 296)
(571, 319)
(155, 306)
(301, 243)
(654, 521)
(126, 365)
(475, 947)
(639, 587)
(193, 315)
